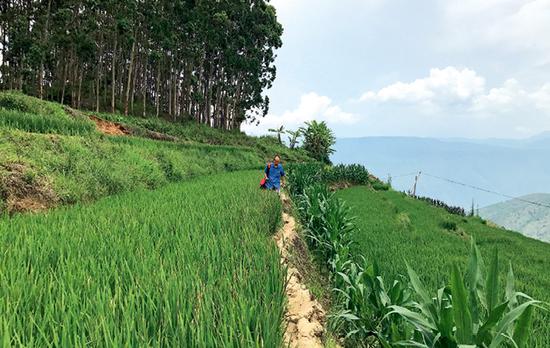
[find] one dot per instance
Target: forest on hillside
(207, 61)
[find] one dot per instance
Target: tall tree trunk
(144, 86)
(113, 76)
(98, 78)
(157, 90)
(79, 89)
(65, 68)
(129, 84)
(44, 40)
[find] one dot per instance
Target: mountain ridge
(529, 219)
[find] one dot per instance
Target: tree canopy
(205, 60)
(318, 140)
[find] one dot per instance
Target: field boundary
(304, 316)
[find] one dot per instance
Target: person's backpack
(263, 182)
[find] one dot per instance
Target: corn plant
(366, 303)
(471, 311)
(355, 174)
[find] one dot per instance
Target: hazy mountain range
(509, 166)
(531, 220)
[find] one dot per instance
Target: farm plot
(188, 265)
(394, 228)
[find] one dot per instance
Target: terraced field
(394, 228)
(188, 265)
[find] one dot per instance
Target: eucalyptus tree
(208, 61)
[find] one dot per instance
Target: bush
(355, 174)
(380, 186)
(440, 204)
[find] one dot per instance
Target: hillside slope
(394, 228)
(531, 220)
(52, 155)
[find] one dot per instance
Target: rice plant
(189, 265)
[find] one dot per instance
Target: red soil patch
(108, 127)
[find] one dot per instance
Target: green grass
(86, 168)
(189, 265)
(57, 158)
(199, 133)
(18, 111)
(394, 228)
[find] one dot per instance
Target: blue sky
(464, 68)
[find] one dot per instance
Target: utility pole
(415, 182)
(389, 179)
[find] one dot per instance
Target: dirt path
(305, 315)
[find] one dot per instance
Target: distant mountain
(539, 141)
(510, 166)
(529, 219)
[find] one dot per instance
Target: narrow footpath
(304, 315)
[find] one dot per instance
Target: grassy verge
(199, 133)
(48, 157)
(394, 228)
(188, 265)
(18, 111)
(46, 170)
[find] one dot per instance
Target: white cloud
(312, 107)
(450, 91)
(519, 25)
(512, 97)
(442, 86)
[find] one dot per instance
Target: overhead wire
(452, 181)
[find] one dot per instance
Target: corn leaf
(491, 287)
(461, 312)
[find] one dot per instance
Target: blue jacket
(274, 177)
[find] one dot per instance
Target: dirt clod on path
(108, 127)
(305, 315)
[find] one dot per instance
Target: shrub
(355, 174)
(380, 186)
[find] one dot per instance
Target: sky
(429, 68)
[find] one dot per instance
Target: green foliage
(293, 137)
(302, 176)
(278, 132)
(355, 174)
(466, 313)
(380, 186)
(368, 311)
(194, 132)
(361, 300)
(79, 53)
(177, 267)
(16, 101)
(18, 111)
(433, 252)
(84, 169)
(318, 141)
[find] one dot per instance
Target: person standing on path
(274, 175)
